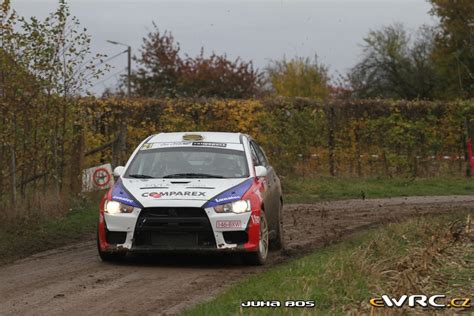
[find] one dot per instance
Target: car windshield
(181, 162)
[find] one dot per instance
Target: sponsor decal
(122, 199)
(227, 199)
(420, 300)
(157, 195)
(228, 224)
(172, 144)
(255, 219)
(210, 144)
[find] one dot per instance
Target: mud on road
(72, 280)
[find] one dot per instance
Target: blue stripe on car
(231, 195)
(120, 194)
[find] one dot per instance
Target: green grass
(339, 278)
(310, 190)
(21, 240)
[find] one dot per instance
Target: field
(309, 190)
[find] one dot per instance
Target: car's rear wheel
(277, 242)
(109, 256)
(260, 256)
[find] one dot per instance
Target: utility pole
(119, 146)
(129, 64)
(129, 83)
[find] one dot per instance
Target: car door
(272, 198)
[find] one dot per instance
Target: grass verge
(311, 190)
(21, 240)
(424, 255)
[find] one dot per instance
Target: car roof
(217, 137)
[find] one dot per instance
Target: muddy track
(72, 280)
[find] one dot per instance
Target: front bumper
(180, 229)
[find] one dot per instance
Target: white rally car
(193, 191)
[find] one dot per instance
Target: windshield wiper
(140, 176)
(193, 175)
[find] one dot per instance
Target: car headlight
(114, 207)
(238, 207)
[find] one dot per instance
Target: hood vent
(205, 188)
(144, 188)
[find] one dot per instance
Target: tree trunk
(467, 139)
(119, 147)
(330, 116)
(13, 166)
(77, 159)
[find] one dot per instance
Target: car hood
(173, 192)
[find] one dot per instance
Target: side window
(254, 155)
(261, 156)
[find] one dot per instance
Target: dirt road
(72, 280)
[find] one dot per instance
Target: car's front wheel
(260, 256)
(109, 256)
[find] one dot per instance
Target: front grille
(174, 212)
(173, 228)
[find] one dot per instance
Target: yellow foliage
(371, 137)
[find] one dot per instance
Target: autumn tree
(454, 49)
(395, 65)
(299, 77)
(44, 65)
(164, 72)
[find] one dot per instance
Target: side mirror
(118, 171)
(261, 171)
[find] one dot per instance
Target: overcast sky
(254, 30)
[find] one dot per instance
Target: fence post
(13, 166)
(77, 158)
(2, 161)
(330, 117)
(467, 139)
(358, 151)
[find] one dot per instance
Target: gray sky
(254, 30)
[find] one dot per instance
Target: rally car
(193, 192)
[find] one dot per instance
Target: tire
(109, 256)
(259, 257)
(277, 242)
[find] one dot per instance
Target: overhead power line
(108, 77)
